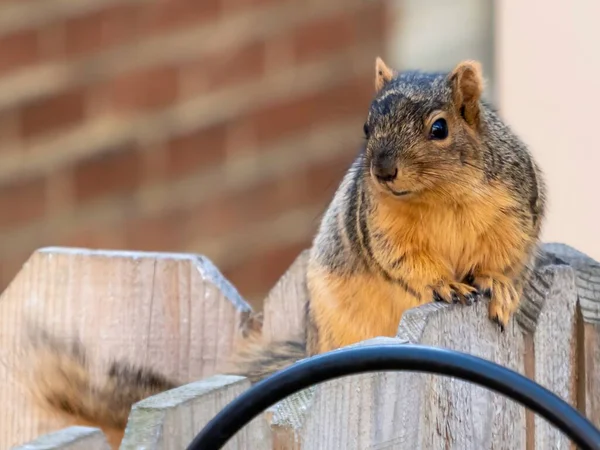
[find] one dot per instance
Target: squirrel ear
(467, 86)
(383, 74)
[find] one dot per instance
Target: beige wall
(548, 88)
(437, 34)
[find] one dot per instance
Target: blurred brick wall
(219, 127)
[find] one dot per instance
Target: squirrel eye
(439, 130)
(366, 130)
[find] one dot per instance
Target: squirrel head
(423, 132)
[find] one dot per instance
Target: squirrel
(443, 203)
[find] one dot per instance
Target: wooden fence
(176, 313)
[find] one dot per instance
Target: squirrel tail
(256, 358)
(59, 379)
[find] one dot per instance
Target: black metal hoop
(414, 358)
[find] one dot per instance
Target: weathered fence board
(356, 412)
(587, 280)
(555, 348)
(171, 420)
(284, 308)
(72, 438)
(410, 410)
(169, 311)
(452, 413)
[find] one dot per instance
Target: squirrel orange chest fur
(413, 245)
(480, 231)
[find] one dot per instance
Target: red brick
(22, 200)
(9, 130)
(230, 6)
(102, 29)
(231, 211)
(309, 185)
(195, 150)
(120, 172)
(212, 218)
(59, 196)
(244, 64)
(52, 41)
(52, 113)
(324, 36)
(324, 177)
(258, 273)
(347, 99)
(116, 172)
(157, 233)
(227, 68)
(10, 265)
(375, 22)
(170, 14)
(148, 89)
(19, 49)
(312, 185)
(97, 237)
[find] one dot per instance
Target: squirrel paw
(503, 296)
(452, 292)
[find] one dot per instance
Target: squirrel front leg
(352, 307)
(429, 279)
(501, 277)
(503, 292)
(347, 308)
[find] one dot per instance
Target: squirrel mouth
(399, 193)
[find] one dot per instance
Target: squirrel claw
(500, 324)
(471, 298)
(454, 293)
(504, 298)
(487, 292)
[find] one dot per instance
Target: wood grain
(285, 306)
(172, 312)
(172, 419)
(587, 280)
(71, 438)
(354, 412)
(454, 414)
(555, 351)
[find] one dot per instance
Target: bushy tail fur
(59, 379)
(256, 358)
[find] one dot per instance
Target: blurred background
(223, 127)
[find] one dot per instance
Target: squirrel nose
(385, 171)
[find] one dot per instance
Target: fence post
(71, 438)
(587, 272)
(174, 313)
(172, 419)
(285, 306)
